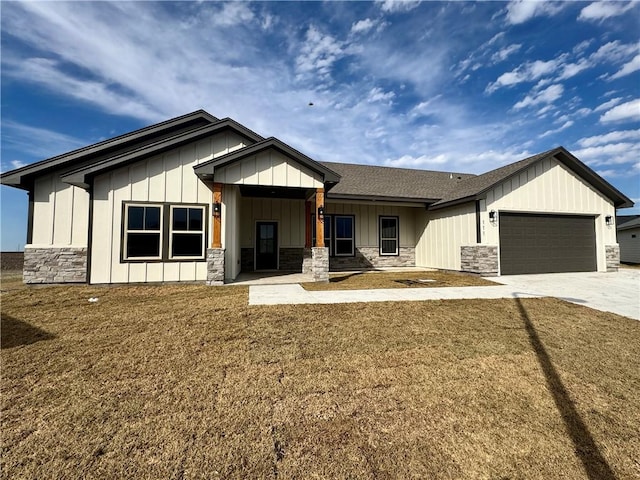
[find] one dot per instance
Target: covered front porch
(267, 213)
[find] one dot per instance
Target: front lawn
(191, 382)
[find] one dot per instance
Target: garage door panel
(531, 243)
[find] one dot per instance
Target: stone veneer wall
(613, 257)
(215, 266)
(307, 261)
(369, 257)
(55, 265)
(320, 264)
(291, 259)
(481, 259)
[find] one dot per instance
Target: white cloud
(611, 137)
(603, 10)
(625, 112)
(527, 72)
(232, 13)
(572, 69)
(564, 126)
(628, 68)
(614, 52)
(607, 105)
(422, 161)
(378, 95)
(38, 142)
(363, 26)
(520, 11)
(610, 154)
(393, 6)
(17, 164)
(505, 52)
(318, 53)
(548, 95)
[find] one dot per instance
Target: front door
(266, 246)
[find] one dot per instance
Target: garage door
(546, 243)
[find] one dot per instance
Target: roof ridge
(400, 168)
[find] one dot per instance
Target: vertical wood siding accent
(441, 233)
(167, 177)
(269, 168)
(60, 213)
(550, 187)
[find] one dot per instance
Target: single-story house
(197, 198)
(629, 238)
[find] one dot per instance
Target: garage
(543, 243)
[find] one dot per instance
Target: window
(338, 234)
(143, 232)
(389, 236)
(187, 232)
(343, 236)
(163, 232)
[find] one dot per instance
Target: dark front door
(531, 243)
(266, 246)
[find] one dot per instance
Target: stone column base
(482, 259)
(613, 257)
(55, 265)
(215, 266)
(307, 261)
(320, 264)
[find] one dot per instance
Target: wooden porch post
(307, 224)
(319, 223)
(217, 218)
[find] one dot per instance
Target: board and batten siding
(550, 187)
(441, 233)
(629, 241)
(287, 212)
(269, 168)
(60, 214)
(169, 178)
(367, 218)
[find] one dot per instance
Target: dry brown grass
(370, 280)
(190, 382)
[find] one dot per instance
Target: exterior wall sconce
(493, 216)
(217, 209)
(321, 212)
(608, 220)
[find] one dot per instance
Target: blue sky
(457, 86)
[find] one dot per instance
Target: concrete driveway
(617, 292)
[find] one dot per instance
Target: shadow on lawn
(585, 446)
(14, 333)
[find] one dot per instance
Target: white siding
(60, 213)
(231, 230)
(168, 177)
(550, 187)
(269, 168)
(629, 246)
(288, 213)
(441, 233)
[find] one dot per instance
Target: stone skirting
(320, 264)
(215, 266)
(55, 265)
(369, 257)
(291, 259)
(482, 259)
(307, 261)
(613, 257)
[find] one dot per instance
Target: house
(629, 238)
(197, 198)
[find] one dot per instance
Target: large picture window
(389, 236)
(187, 232)
(143, 232)
(163, 232)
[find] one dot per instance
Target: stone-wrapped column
(55, 265)
(320, 264)
(613, 257)
(482, 259)
(215, 266)
(307, 261)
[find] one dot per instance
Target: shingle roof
(473, 186)
(622, 219)
(394, 183)
(635, 223)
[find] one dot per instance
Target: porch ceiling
(275, 192)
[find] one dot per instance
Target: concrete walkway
(611, 292)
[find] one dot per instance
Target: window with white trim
(343, 236)
(143, 232)
(186, 236)
(389, 236)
